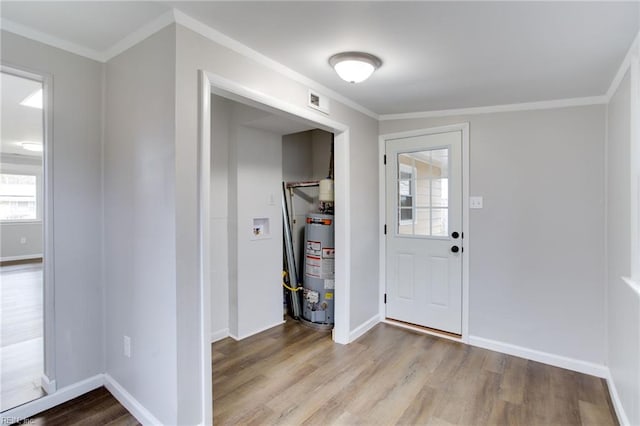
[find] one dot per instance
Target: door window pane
(423, 193)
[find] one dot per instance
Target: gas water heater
(319, 270)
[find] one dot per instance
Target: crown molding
(527, 106)
(178, 17)
(30, 33)
(139, 35)
(230, 43)
(634, 51)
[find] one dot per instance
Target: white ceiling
(18, 123)
(437, 55)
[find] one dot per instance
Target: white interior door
(424, 230)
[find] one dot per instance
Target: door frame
(48, 380)
(210, 84)
(382, 140)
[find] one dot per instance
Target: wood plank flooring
(97, 407)
(21, 331)
(293, 375)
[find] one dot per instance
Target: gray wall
(11, 245)
(77, 202)
(305, 156)
(195, 52)
(140, 239)
(623, 303)
(220, 250)
(537, 248)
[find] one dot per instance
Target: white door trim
(49, 375)
(210, 83)
(382, 139)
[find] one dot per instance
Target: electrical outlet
(127, 346)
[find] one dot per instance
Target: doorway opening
(256, 155)
(424, 254)
(23, 243)
(220, 86)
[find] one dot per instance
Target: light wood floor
(293, 375)
(21, 350)
(97, 407)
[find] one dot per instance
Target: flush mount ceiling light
(354, 67)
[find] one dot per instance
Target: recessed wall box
(260, 229)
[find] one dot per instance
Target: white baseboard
(364, 327)
(539, 356)
(129, 402)
(252, 333)
(617, 403)
(22, 257)
(49, 386)
(219, 335)
(49, 401)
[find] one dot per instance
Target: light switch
(475, 202)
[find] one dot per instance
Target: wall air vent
(318, 101)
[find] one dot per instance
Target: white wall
(246, 178)
(623, 303)
(537, 246)
(140, 213)
(77, 203)
(259, 261)
(220, 122)
(196, 52)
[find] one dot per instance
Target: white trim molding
(75, 390)
(49, 386)
(244, 50)
(21, 257)
(178, 17)
(573, 364)
(623, 419)
(49, 401)
(364, 327)
(127, 400)
(254, 332)
(525, 106)
(30, 33)
(138, 35)
(219, 335)
(633, 52)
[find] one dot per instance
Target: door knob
(455, 249)
(454, 235)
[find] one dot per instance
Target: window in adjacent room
(18, 197)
